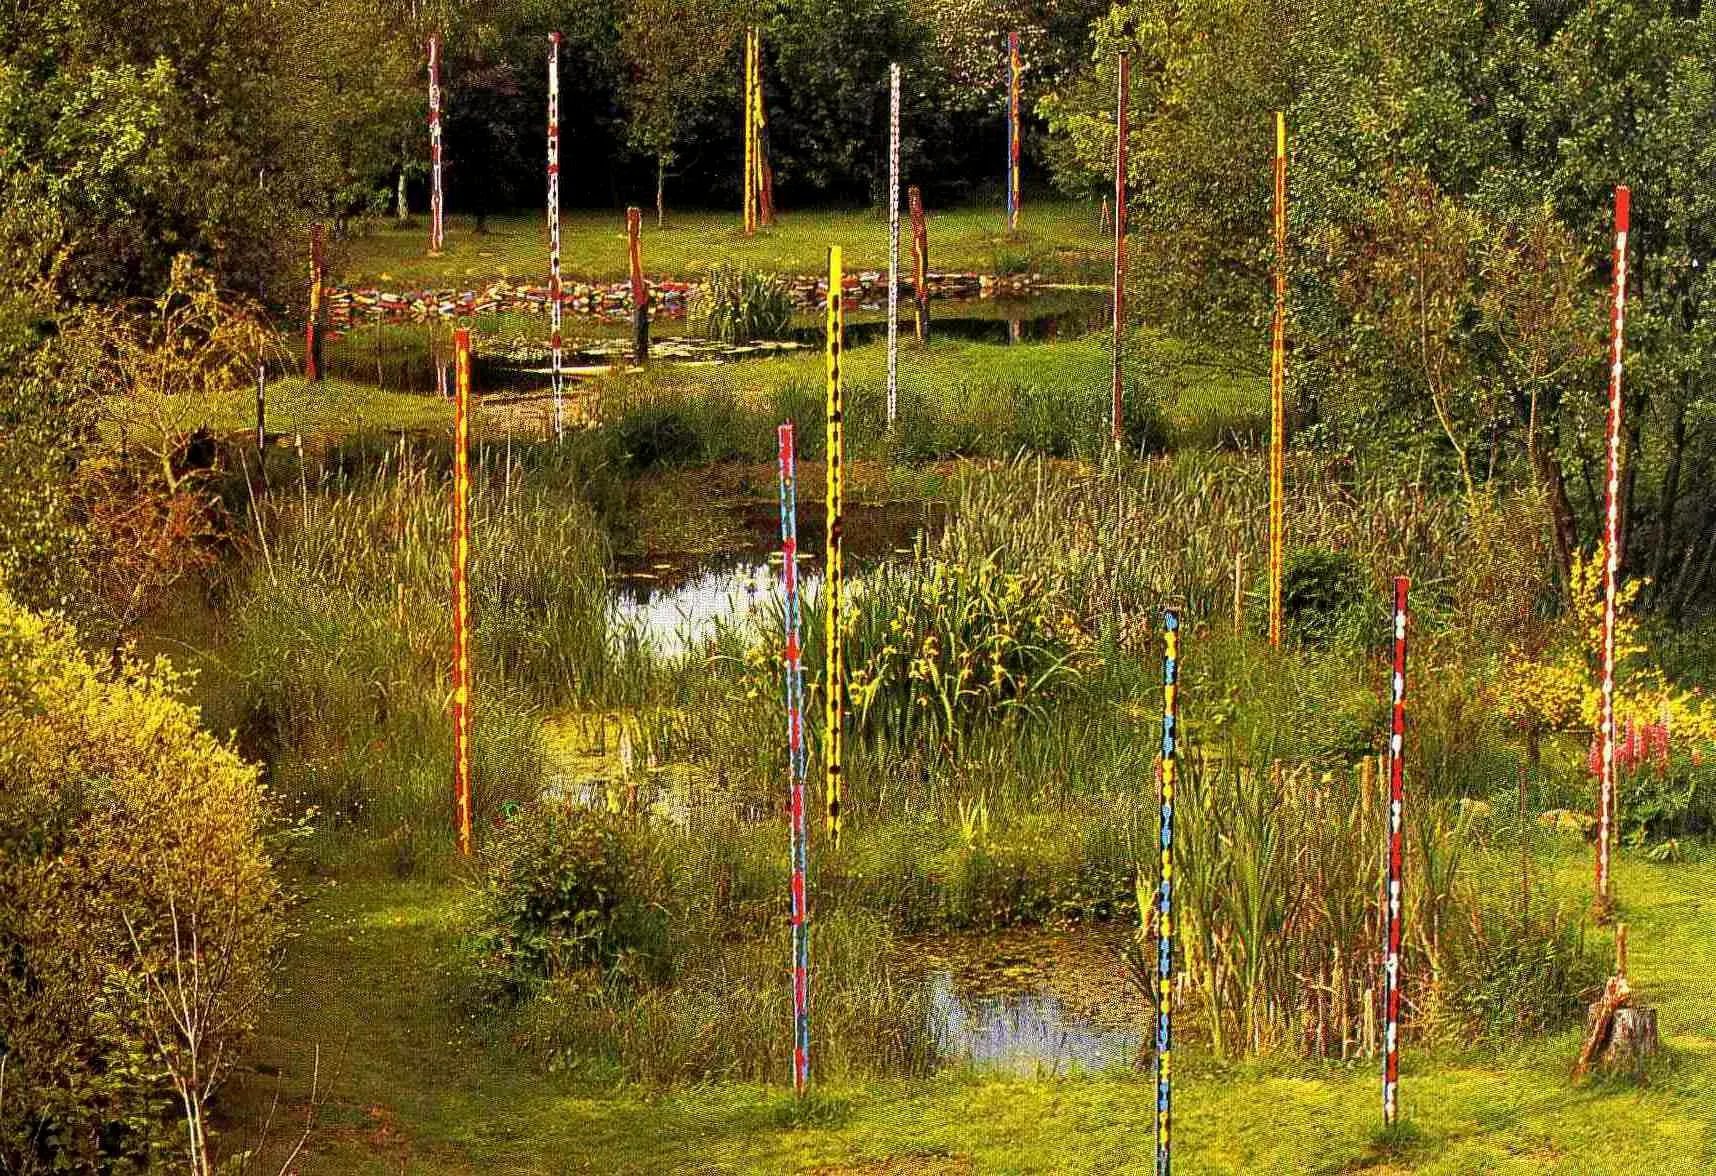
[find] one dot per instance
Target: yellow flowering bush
(132, 867)
(1562, 689)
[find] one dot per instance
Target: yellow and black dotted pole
(833, 576)
(1165, 893)
(1278, 388)
(461, 591)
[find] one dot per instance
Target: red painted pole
(1394, 909)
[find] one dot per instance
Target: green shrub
(568, 895)
(125, 831)
(1326, 599)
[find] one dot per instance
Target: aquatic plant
(738, 305)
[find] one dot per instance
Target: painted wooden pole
(1122, 127)
(765, 198)
(640, 289)
(557, 381)
(1395, 899)
(1013, 132)
(436, 236)
(1612, 556)
(797, 760)
(1165, 893)
(749, 182)
(261, 406)
(920, 261)
(1278, 389)
(893, 240)
(461, 594)
(833, 580)
(313, 370)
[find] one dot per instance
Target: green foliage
(1667, 797)
(133, 877)
(742, 306)
(568, 893)
(1327, 599)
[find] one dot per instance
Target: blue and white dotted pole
(1165, 896)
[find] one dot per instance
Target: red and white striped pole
(435, 233)
(554, 225)
(1121, 129)
(1612, 555)
(1395, 899)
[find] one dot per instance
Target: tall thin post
(261, 406)
(461, 595)
(436, 238)
(920, 260)
(1396, 897)
(1612, 556)
(749, 184)
(765, 198)
(797, 759)
(313, 371)
(1278, 388)
(556, 380)
(1122, 127)
(1165, 892)
(640, 290)
(833, 577)
(1013, 132)
(893, 240)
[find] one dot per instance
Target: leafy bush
(132, 867)
(569, 895)
(1326, 598)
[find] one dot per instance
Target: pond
(1031, 1001)
(677, 599)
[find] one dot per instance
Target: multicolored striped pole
(1013, 132)
(556, 381)
(1278, 389)
(920, 260)
(313, 322)
(461, 593)
(436, 238)
(893, 240)
(1165, 895)
(640, 289)
(833, 574)
(1394, 909)
(749, 183)
(797, 760)
(1122, 127)
(1612, 555)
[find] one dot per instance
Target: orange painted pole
(640, 290)
(1278, 388)
(313, 372)
(461, 595)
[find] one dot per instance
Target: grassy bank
(1059, 238)
(367, 982)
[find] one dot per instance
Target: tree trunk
(401, 210)
(1630, 1038)
(1670, 492)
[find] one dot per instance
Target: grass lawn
(368, 979)
(1200, 399)
(1058, 238)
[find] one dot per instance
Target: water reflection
(1025, 1032)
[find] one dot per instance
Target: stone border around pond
(668, 299)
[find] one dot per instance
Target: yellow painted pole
(1278, 387)
(461, 594)
(832, 580)
(750, 193)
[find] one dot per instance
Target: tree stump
(1631, 1039)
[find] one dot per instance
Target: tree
(671, 69)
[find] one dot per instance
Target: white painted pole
(893, 240)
